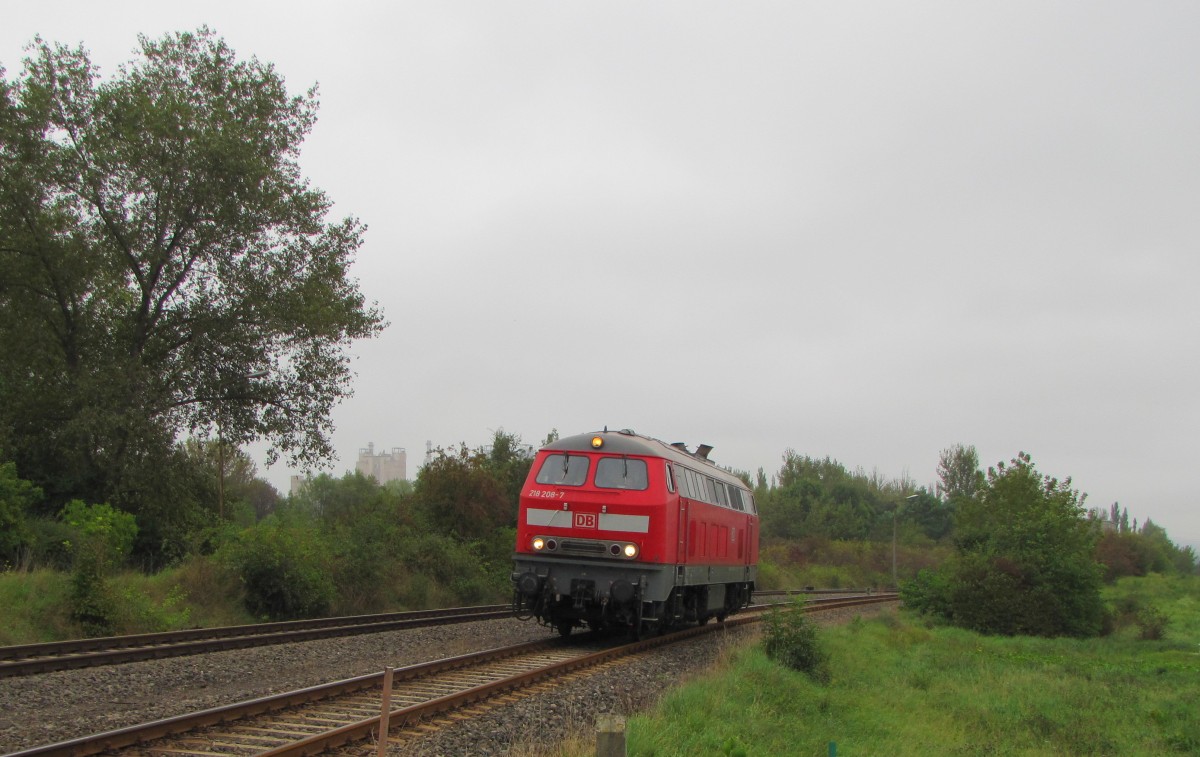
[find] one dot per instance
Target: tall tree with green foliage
(471, 493)
(959, 477)
(930, 515)
(164, 268)
(819, 497)
(1024, 562)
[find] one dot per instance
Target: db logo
(585, 520)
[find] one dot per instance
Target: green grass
(204, 592)
(901, 688)
(34, 606)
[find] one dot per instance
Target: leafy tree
(1121, 555)
(1024, 562)
(230, 478)
(932, 516)
(820, 497)
(460, 494)
(349, 499)
(262, 496)
(1137, 553)
(103, 532)
(508, 460)
(164, 268)
(1186, 561)
(958, 473)
(17, 497)
(1166, 557)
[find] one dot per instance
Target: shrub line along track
(319, 718)
(29, 659)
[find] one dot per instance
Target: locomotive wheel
(564, 628)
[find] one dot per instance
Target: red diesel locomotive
(620, 530)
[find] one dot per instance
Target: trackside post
(610, 736)
(385, 712)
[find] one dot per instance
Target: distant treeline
(352, 545)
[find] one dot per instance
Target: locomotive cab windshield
(563, 470)
(621, 473)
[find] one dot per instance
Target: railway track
(28, 659)
(319, 718)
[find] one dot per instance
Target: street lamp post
(221, 472)
(895, 582)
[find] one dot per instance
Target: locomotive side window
(735, 498)
(621, 473)
(670, 478)
(697, 490)
(749, 502)
(563, 470)
(722, 500)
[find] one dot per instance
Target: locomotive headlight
(597, 442)
(539, 543)
(631, 550)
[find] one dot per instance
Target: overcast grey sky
(863, 230)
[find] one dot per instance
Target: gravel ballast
(534, 725)
(52, 707)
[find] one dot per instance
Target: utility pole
(895, 584)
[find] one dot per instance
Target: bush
(51, 544)
(102, 538)
(928, 593)
(283, 571)
(16, 498)
(139, 612)
(456, 572)
(93, 607)
(1151, 621)
(791, 639)
(1024, 560)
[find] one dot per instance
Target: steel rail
(139, 735)
(30, 659)
(79, 653)
(134, 735)
(398, 718)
